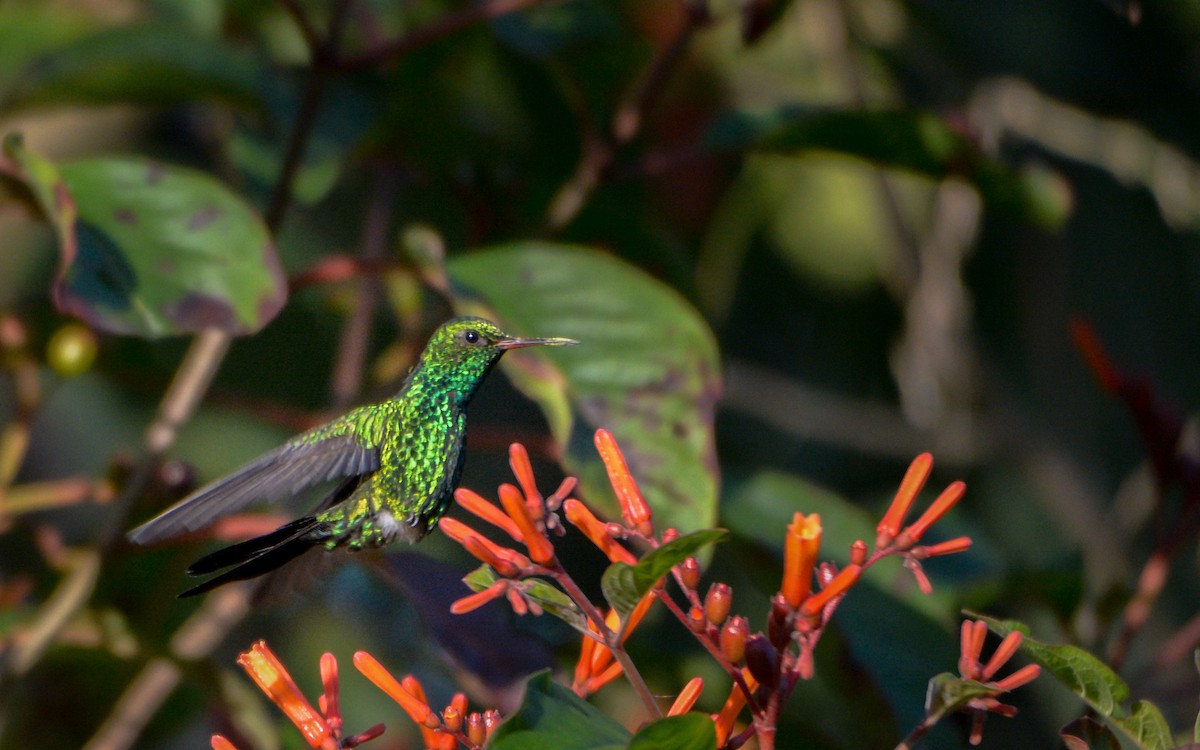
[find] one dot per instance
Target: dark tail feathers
(254, 557)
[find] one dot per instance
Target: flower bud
(858, 552)
(689, 573)
(778, 629)
(717, 603)
(696, 620)
(733, 639)
(452, 719)
(476, 731)
(762, 659)
(491, 720)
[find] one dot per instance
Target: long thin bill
(515, 343)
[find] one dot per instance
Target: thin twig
(599, 151)
(354, 342)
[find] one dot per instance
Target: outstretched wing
(339, 449)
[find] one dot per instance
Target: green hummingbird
(397, 462)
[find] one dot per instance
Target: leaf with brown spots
(646, 369)
(150, 249)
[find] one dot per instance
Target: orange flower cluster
(439, 731)
(969, 666)
(321, 729)
(527, 518)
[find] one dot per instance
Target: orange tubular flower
(540, 548)
(945, 501)
(733, 706)
(799, 556)
(474, 503)
(505, 561)
(634, 509)
(582, 518)
(518, 461)
(910, 487)
(271, 677)
(416, 707)
(687, 697)
(479, 598)
(838, 586)
(948, 547)
(596, 667)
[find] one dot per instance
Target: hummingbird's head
(470, 346)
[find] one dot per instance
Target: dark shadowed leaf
(153, 63)
(684, 732)
(554, 718)
(541, 31)
(549, 598)
(646, 368)
(1085, 733)
(624, 585)
(151, 249)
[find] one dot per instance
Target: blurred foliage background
(887, 213)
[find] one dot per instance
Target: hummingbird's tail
(257, 556)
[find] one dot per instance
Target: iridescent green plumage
(398, 463)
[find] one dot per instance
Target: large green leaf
(684, 732)
(1092, 680)
(624, 585)
(152, 63)
(554, 718)
(646, 368)
(151, 249)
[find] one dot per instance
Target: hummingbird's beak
(515, 343)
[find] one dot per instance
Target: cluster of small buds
(454, 725)
(321, 729)
(970, 667)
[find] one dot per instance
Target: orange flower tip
(687, 697)
(540, 548)
(220, 743)
(696, 620)
(948, 547)
(1002, 654)
(910, 487)
(1022, 676)
(479, 598)
(942, 505)
(689, 573)
(800, 550)
(836, 587)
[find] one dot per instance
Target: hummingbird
(397, 464)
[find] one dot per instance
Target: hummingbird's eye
(471, 337)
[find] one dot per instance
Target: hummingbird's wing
(339, 449)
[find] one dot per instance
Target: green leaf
(1092, 680)
(151, 249)
(646, 368)
(947, 693)
(1085, 733)
(691, 731)
(152, 63)
(1146, 726)
(624, 585)
(548, 597)
(1087, 676)
(554, 718)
